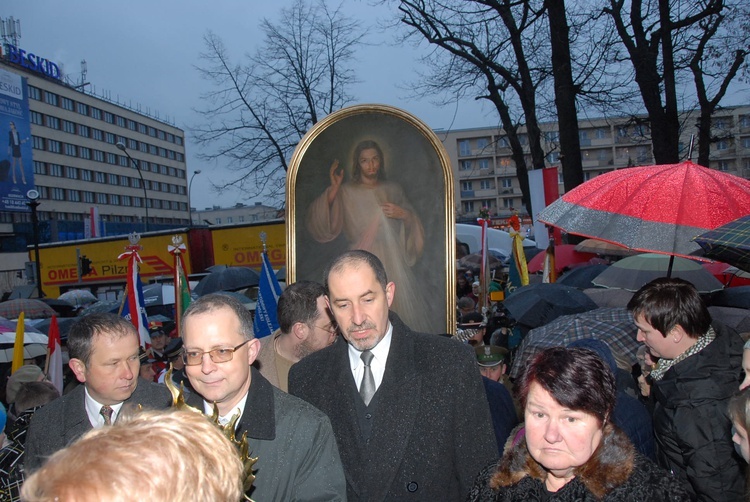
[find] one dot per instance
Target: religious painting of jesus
(374, 177)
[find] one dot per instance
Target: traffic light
(85, 265)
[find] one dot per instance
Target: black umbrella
(538, 304)
(581, 277)
(63, 307)
(737, 319)
(738, 297)
(227, 279)
(63, 325)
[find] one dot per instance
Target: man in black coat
(408, 409)
(103, 352)
(697, 372)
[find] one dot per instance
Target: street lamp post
(33, 203)
(190, 187)
(121, 146)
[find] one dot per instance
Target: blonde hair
(150, 455)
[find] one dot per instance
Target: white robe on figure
(357, 212)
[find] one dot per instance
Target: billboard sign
(16, 163)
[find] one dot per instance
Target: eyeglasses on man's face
(328, 328)
(220, 355)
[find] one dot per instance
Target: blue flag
(269, 290)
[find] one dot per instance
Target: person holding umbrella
(696, 375)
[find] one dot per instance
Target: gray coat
(64, 420)
(297, 455)
(432, 432)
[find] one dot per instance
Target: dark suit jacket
(64, 420)
(432, 432)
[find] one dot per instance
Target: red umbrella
(565, 257)
(657, 209)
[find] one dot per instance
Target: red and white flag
(54, 356)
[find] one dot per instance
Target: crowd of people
(345, 402)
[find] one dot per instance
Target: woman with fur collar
(568, 449)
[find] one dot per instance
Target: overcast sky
(143, 53)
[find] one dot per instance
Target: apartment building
(485, 173)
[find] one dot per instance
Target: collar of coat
(609, 467)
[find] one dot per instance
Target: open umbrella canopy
(538, 304)
(63, 324)
(78, 297)
(634, 272)
(158, 294)
(656, 209)
(604, 297)
(30, 351)
(227, 279)
(112, 306)
(566, 256)
(613, 326)
(729, 243)
(603, 248)
(34, 309)
(474, 261)
(736, 318)
(62, 307)
(581, 277)
(738, 297)
(245, 300)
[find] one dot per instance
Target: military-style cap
(490, 355)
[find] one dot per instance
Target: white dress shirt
(94, 408)
(208, 409)
(377, 365)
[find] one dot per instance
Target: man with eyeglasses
(305, 326)
(297, 454)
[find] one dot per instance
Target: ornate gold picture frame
(406, 218)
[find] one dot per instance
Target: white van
(496, 239)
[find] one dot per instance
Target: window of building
(552, 136)
(178, 140)
(53, 122)
(86, 174)
(465, 165)
(36, 118)
(172, 172)
(241, 218)
(482, 143)
(724, 165)
(486, 184)
(114, 199)
(137, 202)
(120, 120)
(124, 161)
(722, 144)
(50, 98)
(508, 203)
(156, 203)
(71, 150)
(180, 157)
(84, 131)
(468, 206)
(83, 109)
(84, 153)
(464, 147)
(67, 104)
(170, 154)
(142, 128)
(109, 118)
(151, 131)
(101, 177)
(35, 93)
(126, 201)
(160, 134)
(58, 193)
(553, 157)
(54, 146)
(74, 196)
(181, 190)
(601, 133)
(98, 155)
(125, 181)
(484, 163)
(172, 188)
(71, 172)
(721, 123)
(467, 186)
(218, 221)
(143, 147)
(111, 158)
(101, 198)
(163, 169)
(39, 167)
(170, 137)
(135, 183)
(132, 125)
(114, 179)
(506, 182)
(502, 142)
(745, 142)
(152, 149)
(96, 113)
(37, 142)
(110, 138)
(88, 197)
(132, 144)
(97, 134)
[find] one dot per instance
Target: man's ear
(253, 347)
(677, 333)
(78, 368)
(300, 330)
(390, 291)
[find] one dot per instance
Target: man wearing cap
(26, 373)
(103, 352)
(505, 413)
(305, 326)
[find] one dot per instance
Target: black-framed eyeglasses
(220, 355)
